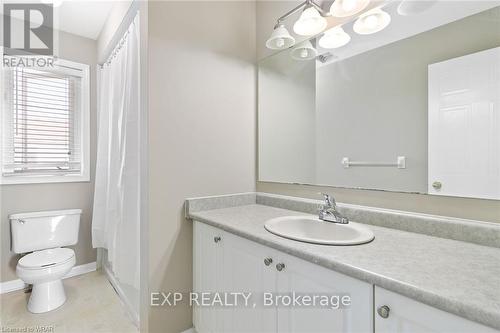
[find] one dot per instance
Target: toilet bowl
(44, 235)
(44, 270)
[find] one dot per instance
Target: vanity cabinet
(224, 262)
(304, 277)
(207, 274)
(398, 314)
(248, 267)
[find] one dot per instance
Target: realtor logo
(28, 29)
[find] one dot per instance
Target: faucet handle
(329, 200)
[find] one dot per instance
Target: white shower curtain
(116, 216)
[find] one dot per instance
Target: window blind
(42, 123)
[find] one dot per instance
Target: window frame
(83, 71)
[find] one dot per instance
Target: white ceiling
(84, 18)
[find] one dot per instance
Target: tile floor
(92, 306)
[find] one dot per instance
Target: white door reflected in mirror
(464, 126)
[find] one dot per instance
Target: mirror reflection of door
(464, 126)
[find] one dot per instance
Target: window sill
(43, 179)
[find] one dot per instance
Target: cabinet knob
(383, 311)
(217, 239)
(437, 185)
(268, 261)
(280, 266)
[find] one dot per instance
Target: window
(45, 124)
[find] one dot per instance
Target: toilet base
(46, 296)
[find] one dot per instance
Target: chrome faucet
(328, 212)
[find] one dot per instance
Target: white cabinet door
(464, 126)
(237, 265)
(302, 277)
(409, 316)
(245, 271)
(207, 274)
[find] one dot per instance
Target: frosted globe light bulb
(305, 51)
(346, 8)
(309, 23)
(334, 38)
(348, 5)
(371, 21)
(280, 38)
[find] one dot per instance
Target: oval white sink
(312, 230)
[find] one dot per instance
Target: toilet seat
(46, 258)
(44, 270)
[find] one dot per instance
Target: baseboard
(82, 269)
(130, 309)
(13, 285)
(190, 330)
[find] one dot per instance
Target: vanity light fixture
(334, 38)
(304, 51)
(280, 38)
(344, 8)
(414, 7)
(310, 22)
(371, 22)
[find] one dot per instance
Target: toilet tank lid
(45, 214)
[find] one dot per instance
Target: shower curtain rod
(116, 49)
(120, 33)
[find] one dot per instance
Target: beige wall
(201, 129)
(36, 197)
(486, 210)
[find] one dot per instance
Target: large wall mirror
(414, 107)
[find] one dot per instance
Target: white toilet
(44, 234)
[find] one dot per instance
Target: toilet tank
(44, 230)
